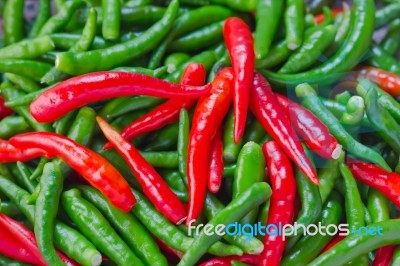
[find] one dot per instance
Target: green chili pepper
(313, 103)
(310, 246)
(231, 149)
(174, 60)
(165, 138)
(328, 175)
(379, 117)
(240, 5)
(62, 125)
(13, 21)
(107, 58)
(130, 229)
(135, 3)
(28, 49)
(31, 69)
(294, 23)
(10, 262)
(263, 213)
(25, 99)
(234, 211)
(143, 15)
(316, 6)
(66, 41)
(389, 103)
(44, 12)
(93, 224)
(111, 19)
(133, 104)
(391, 41)
(174, 180)
(229, 170)
(9, 209)
(21, 173)
(46, 208)
(250, 168)
(384, 15)
(169, 233)
(167, 159)
(12, 125)
(277, 54)
(26, 84)
(354, 113)
(381, 59)
(39, 168)
(255, 132)
(378, 206)
(343, 97)
(183, 142)
(396, 257)
(314, 45)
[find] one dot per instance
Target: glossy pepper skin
(239, 41)
(4, 110)
(311, 129)
(81, 90)
(282, 200)
(9, 153)
(271, 115)
(154, 187)
(216, 163)
(208, 115)
(376, 177)
(387, 81)
(94, 168)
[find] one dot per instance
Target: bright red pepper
(239, 41)
(216, 163)
(27, 240)
(332, 243)
(9, 153)
(226, 261)
(384, 256)
(153, 185)
(387, 81)
(168, 112)
(82, 90)
(208, 115)
(270, 113)
(311, 129)
(318, 19)
(374, 176)
(94, 168)
(4, 110)
(282, 202)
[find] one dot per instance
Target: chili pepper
(13, 21)
(226, 261)
(26, 84)
(383, 60)
(251, 246)
(314, 44)
(282, 200)
(378, 206)
(384, 15)
(65, 41)
(97, 228)
(216, 163)
(311, 129)
(254, 133)
(164, 139)
(46, 208)
(142, 15)
(135, 234)
(152, 184)
(310, 246)
(294, 23)
(387, 81)
(268, 17)
(169, 233)
(84, 62)
(94, 168)
(379, 117)
(336, 239)
(28, 49)
(249, 169)
(25, 99)
(174, 60)
(268, 111)
(133, 104)
(328, 175)
(199, 39)
(239, 41)
(183, 143)
(384, 256)
(174, 181)
(314, 104)
(396, 256)
(353, 48)
(391, 41)
(354, 113)
(9, 209)
(231, 149)
(316, 6)
(237, 209)
(21, 172)
(326, 16)
(207, 117)
(4, 110)
(355, 245)
(10, 153)
(44, 12)
(111, 19)
(11, 262)
(240, 5)
(28, 68)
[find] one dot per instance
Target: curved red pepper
(216, 163)
(311, 129)
(239, 41)
(387, 81)
(10, 154)
(168, 112)
(226, 261)
(384, 256)
(94, 168)
(282, 200)
(208, 115)
(374, 176)
(4, 110)
(154, 187)
(270, 113)
(81, 90)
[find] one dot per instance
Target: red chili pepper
(164, 246)
(311, 129)
(270, 113)
(27, 241)
(94, 168)
(384, 256)
(154, 187)
(318, 19)
(332, 243)
(226, 261)
(216, 163)
(208, 115)
(387, 81)
(82, 90)
(4, 110)
(9, 153)
(239, 41)
(168, 112)
(376, 177)
(282, 200)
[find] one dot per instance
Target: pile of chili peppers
(124, 124)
